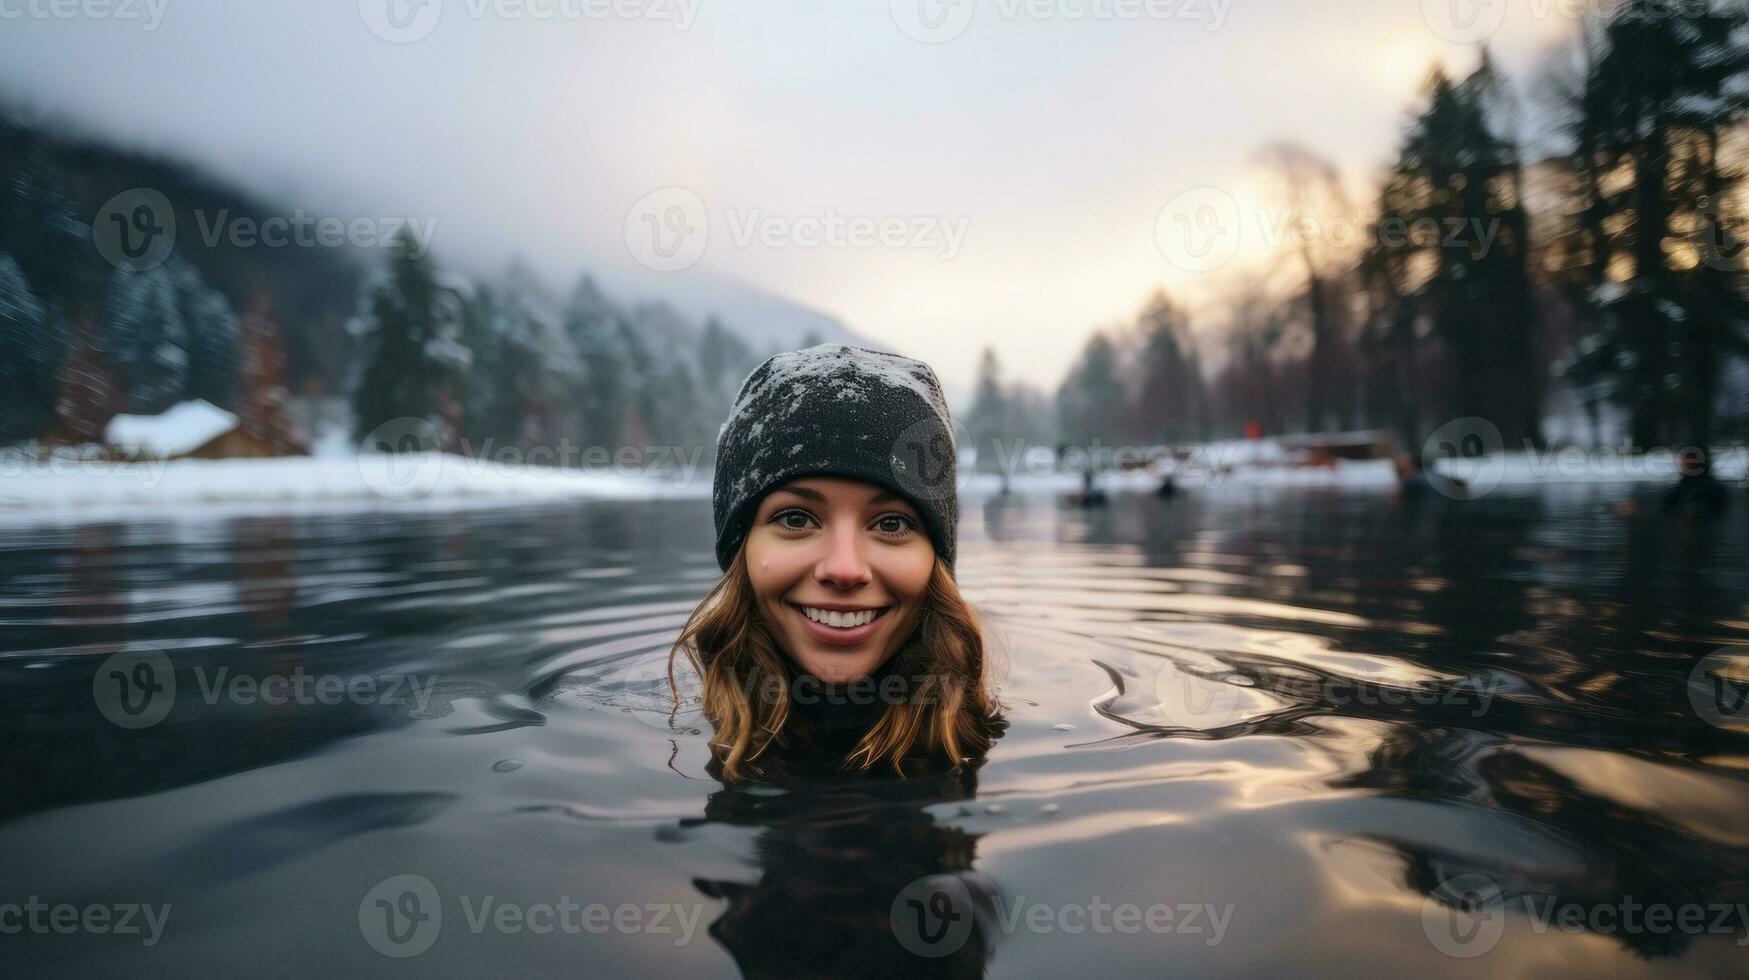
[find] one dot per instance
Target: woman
(837, 633)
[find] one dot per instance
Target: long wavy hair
(947, 710)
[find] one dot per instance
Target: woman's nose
(842, 566)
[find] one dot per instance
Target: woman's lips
(838, 636)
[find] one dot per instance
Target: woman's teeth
(842, 620)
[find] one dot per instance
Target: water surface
(1299, 726)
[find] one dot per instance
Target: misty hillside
(496, 356)
(312, 291)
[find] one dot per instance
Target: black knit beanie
(836, 410)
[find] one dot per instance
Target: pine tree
(1662, 89)
(1452, 246)
(146, 336)
(411, 326)
(170, 337)
(1090, 402)
(524, 369)
(1168, 385)
(614, 365)
(52, 265)
(990, 419)
(724, 360)
(29, 357)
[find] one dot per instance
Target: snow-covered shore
(91, 490)
(66, 489)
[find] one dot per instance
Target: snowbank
(71, 489)
(67, 488)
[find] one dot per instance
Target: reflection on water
(1306, 731)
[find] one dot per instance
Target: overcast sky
(1051, 142)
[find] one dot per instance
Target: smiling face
(839, 550)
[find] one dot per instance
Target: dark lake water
(1251, 733)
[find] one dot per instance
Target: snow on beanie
(836, 410)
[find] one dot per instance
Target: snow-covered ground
(91, 490)
(74, 490)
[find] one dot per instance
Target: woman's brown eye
(894, 524)
(785, 517)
